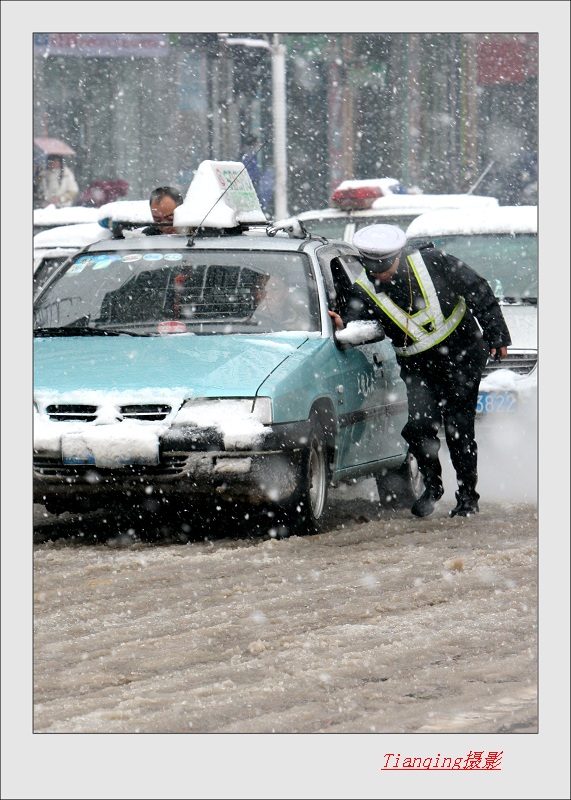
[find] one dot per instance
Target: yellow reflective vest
(428, 326)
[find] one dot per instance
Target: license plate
(111, 446)
(496, 402)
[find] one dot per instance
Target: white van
(501, 245)
(54, 217)
(53, 245)
(355, 204)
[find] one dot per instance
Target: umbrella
(52, 147)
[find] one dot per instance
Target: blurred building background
(437, 111)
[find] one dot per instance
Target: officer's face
(387, 275)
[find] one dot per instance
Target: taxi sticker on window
(173, 256)
(132, 257)
(103, 261)
(79, 266)
(152, 257)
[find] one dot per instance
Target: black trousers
(443, 391)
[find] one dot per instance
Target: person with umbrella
(56, 184)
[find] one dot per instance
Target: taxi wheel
(399, 489)
(76, 505)
(306, 509)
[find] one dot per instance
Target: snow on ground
(384, 626)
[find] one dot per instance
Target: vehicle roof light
(360, 195)
(355, 199)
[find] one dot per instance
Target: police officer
(444, 322)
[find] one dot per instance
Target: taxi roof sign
(221, 195)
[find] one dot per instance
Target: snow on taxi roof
(221, 195)
(134, 211)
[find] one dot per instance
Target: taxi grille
(63, 413)
(151, 412)
(521, 363)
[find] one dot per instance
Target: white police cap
(380, 242)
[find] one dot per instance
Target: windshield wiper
(66, 330)
(523, 301)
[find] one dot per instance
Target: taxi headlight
(260, 408)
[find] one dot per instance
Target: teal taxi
(205, 363)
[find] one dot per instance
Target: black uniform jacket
(483, 325)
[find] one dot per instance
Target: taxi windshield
(208, 291)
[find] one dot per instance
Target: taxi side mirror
(359, 333)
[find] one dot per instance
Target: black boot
(466, 505)
(425, 504)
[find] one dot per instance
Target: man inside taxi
(163, 202)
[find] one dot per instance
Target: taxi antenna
(192, 237)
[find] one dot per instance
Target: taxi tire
(399, 489)
(76, 505)
(307, 506)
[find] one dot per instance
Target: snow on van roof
(71, 215)
(385, 184)
(71, 236)
(404, 205)
(503, 219)
(428, 201)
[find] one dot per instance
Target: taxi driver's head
(163, 202)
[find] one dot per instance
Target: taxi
(357, 203)
(500, 245)
(204, 363)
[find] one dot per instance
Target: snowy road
(382, 623)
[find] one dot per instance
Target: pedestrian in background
(250, 159)
(57, 184)
(444, 322)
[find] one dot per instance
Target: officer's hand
(499, 354)
(337, 321)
